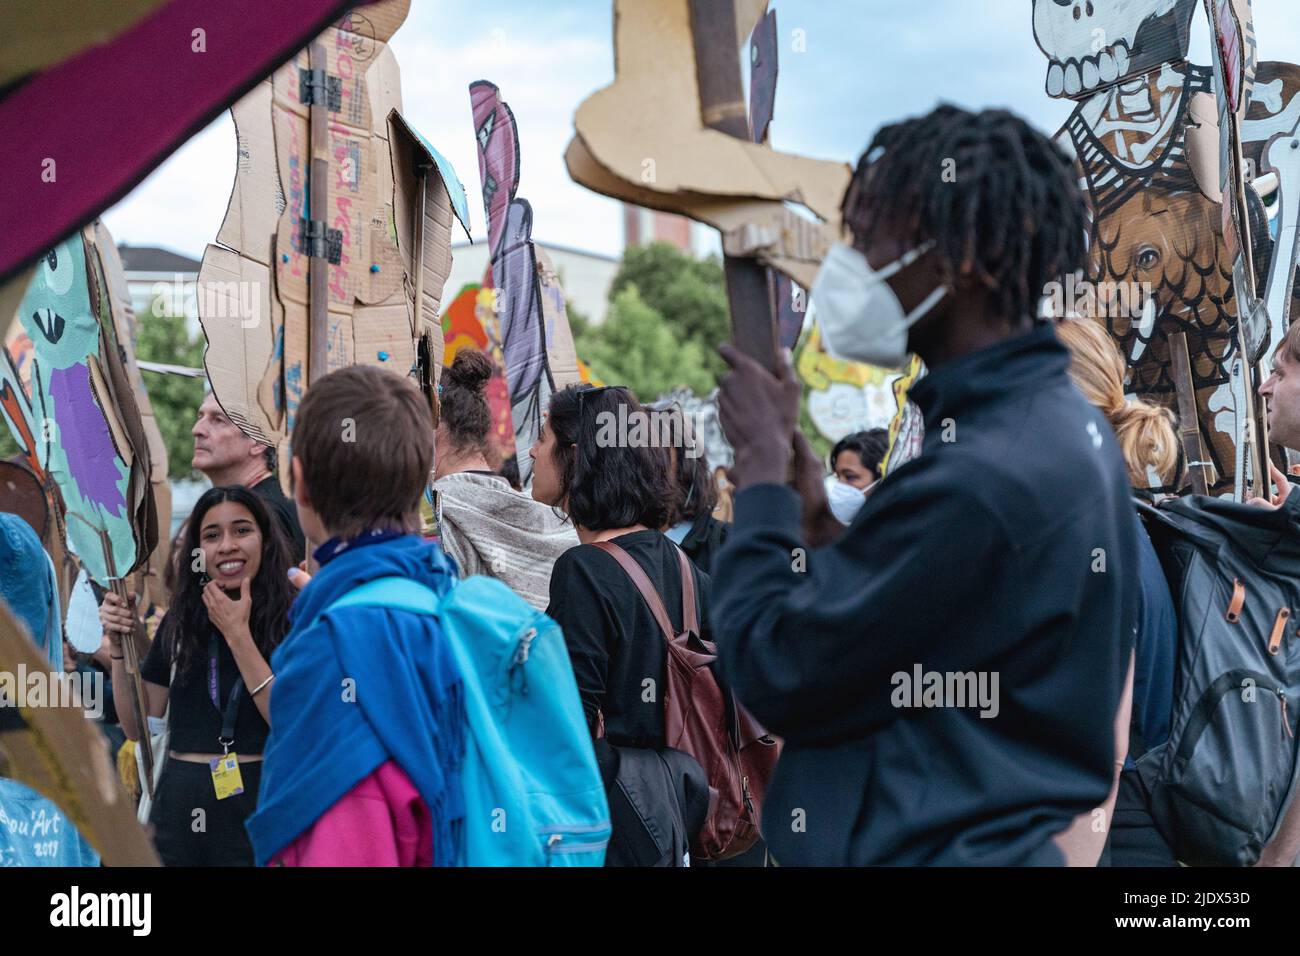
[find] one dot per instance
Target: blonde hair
(1145, 431)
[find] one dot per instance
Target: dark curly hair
(186, 624)
(611, 485)
(870, 446)
(463, 407)
(696, 490)
(1013, 219)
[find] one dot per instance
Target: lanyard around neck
(227, 738)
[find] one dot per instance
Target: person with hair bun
(486, 526)
(1149, 444)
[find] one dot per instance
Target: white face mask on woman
(845, 499)
(860, 316)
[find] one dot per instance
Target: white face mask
(845, 500)
(860, 316)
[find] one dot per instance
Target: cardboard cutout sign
(90, 439)
(642, 140)
(846, 397)
(16, 410)
(383, 242)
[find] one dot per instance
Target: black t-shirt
(614, 643)
(270, 491)
(195, 720)
(705, 539)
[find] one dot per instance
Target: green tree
(579, 322)
(689, 293)
(175, 398)
(8, 447)
(636, 347)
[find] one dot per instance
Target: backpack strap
(401, 593)
(652, 597)
(690, 618)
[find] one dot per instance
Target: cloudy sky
(863, 63)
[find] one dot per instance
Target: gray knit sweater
(489, 528)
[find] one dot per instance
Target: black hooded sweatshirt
(1007, 549)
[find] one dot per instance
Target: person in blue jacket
(946, 670)
(363, 762)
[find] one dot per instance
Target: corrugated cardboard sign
(387, 193)
(642, 140)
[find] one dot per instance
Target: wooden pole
(418, 250)
(1189, 426)
(318, 212)
(722, 108)
(131, 661)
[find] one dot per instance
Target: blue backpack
(533, 792)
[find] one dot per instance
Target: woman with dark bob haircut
(208, 671)
(597, 462)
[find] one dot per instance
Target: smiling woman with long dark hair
(209, 662)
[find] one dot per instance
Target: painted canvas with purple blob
(523, 318)
(80, 439)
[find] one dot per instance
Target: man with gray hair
(229, 457)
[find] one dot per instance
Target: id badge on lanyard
(225, 769)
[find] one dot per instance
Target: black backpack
(1220, 787)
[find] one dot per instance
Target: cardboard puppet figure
(82, 432)
(1146, 134)
(382, 243)
(643, 140)
(85, 420)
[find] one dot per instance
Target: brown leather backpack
(737, 755)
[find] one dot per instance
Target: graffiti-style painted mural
(536, 346)
(846, 397)
(1147, 140)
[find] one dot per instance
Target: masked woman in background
(856, 465)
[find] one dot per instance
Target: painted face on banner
(1092, 44)
(55, 312)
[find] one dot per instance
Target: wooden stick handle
(722, 108)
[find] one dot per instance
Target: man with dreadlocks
(945, 671)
